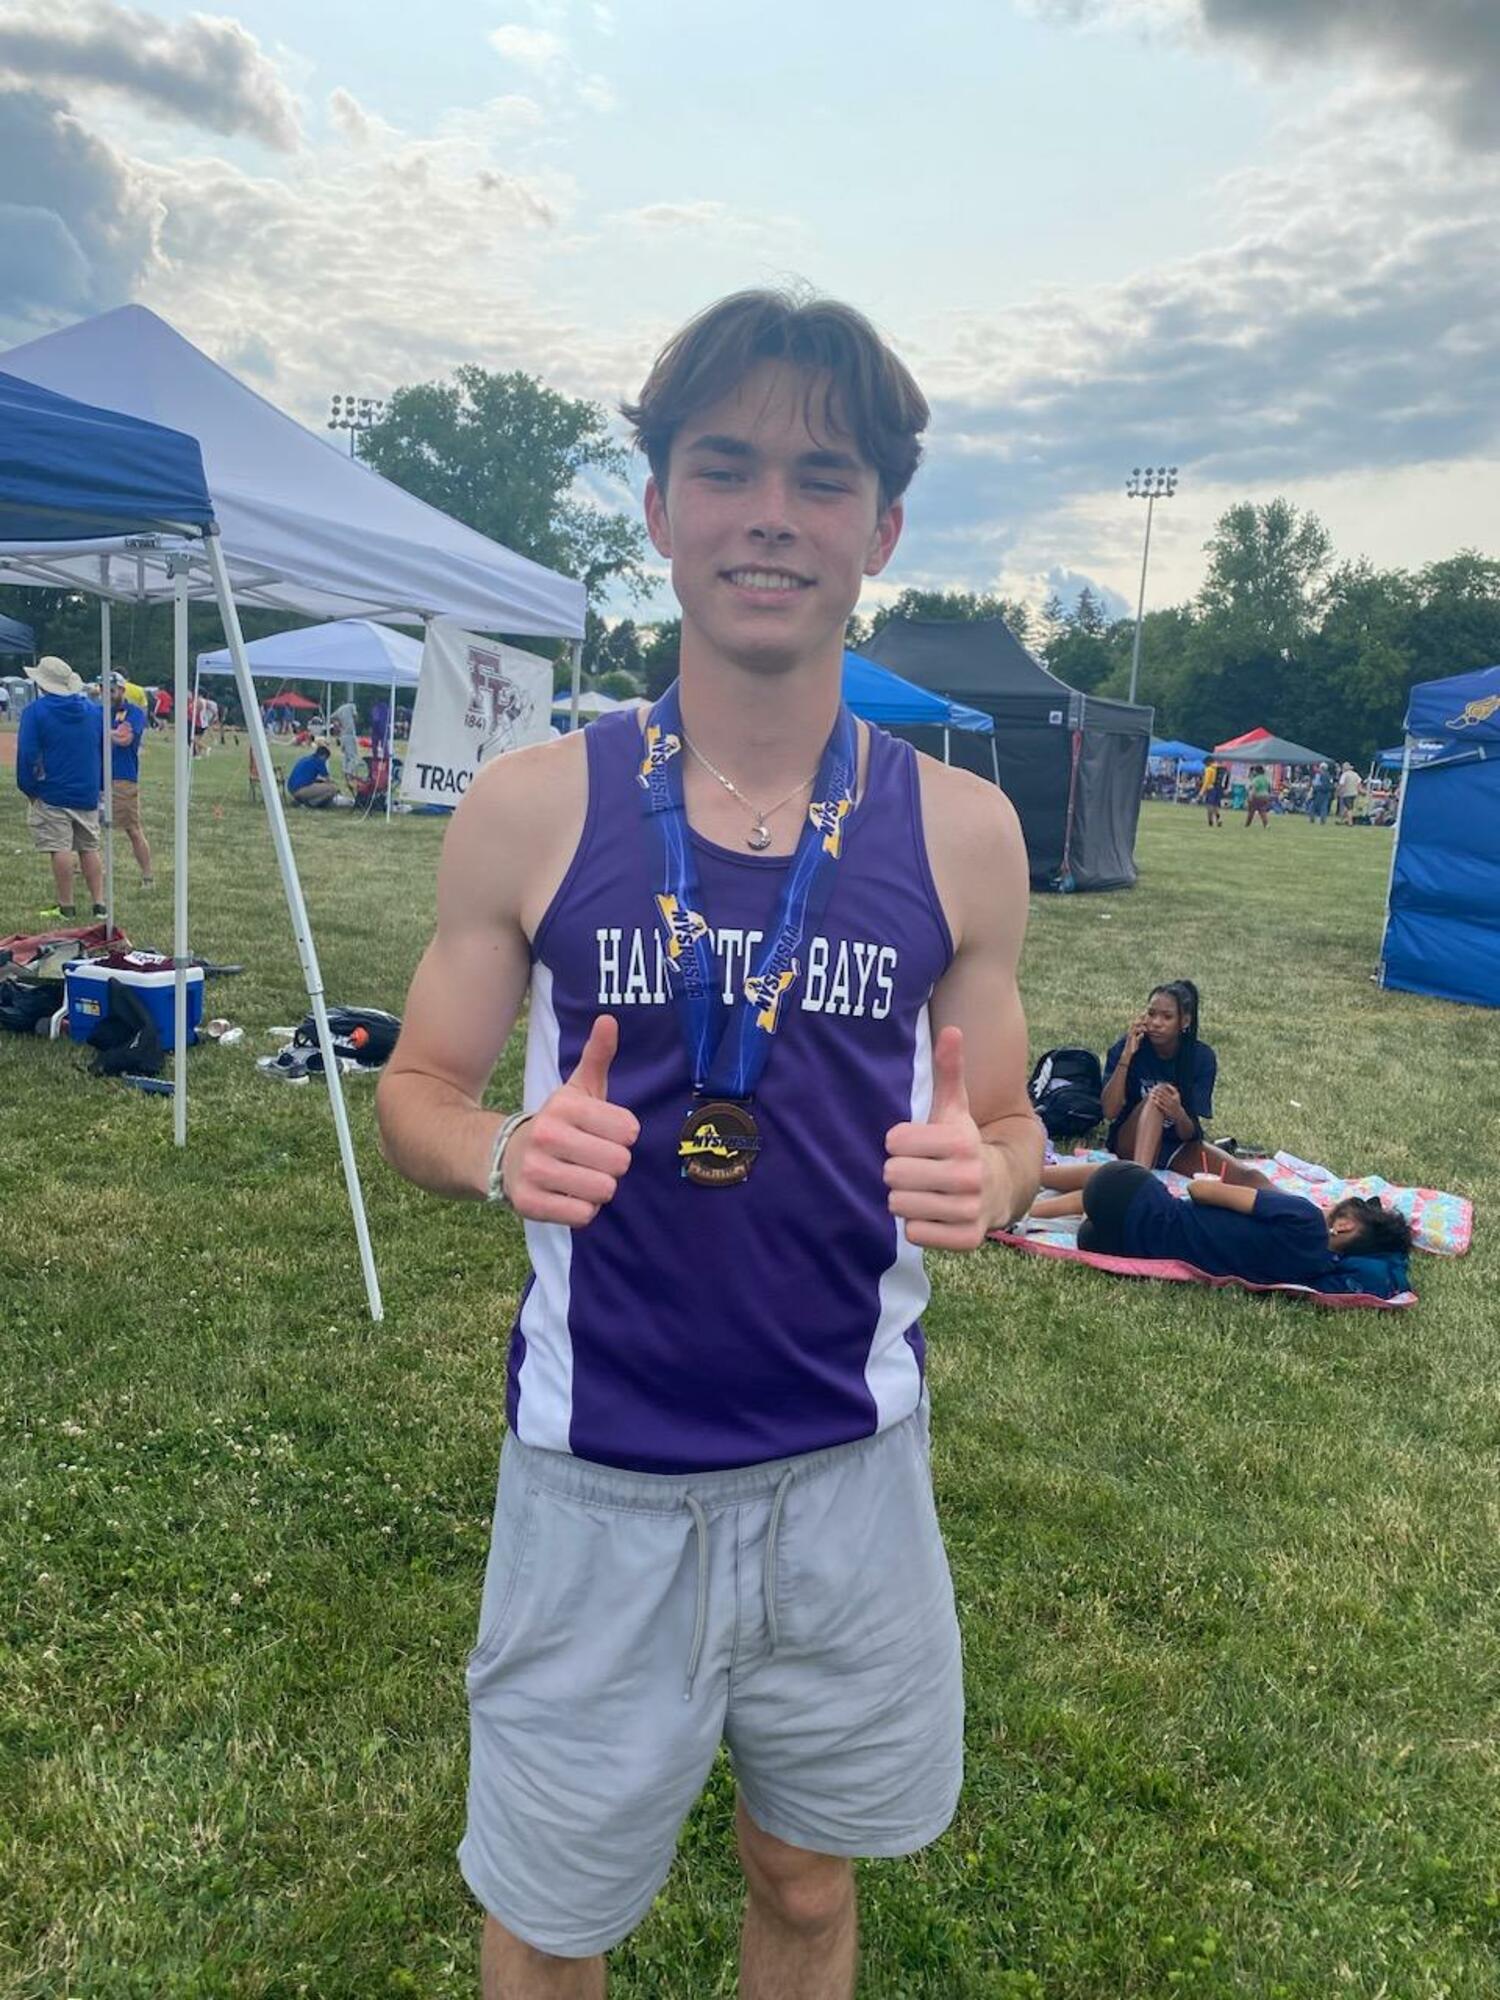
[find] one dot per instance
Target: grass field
(1227, 1567)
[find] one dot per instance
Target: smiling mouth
(772, 581)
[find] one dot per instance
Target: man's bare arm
(465, 997)
(979, 862)
(506, 852)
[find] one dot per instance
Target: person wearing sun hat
(60, 768)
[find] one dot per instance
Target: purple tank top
(688, 1329)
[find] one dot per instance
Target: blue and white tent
(16, 637)
(83, 487)
(1442, 925)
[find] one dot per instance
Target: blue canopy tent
(1169, 750)
(77, 481)
(1442, 924)
(16, 637)
(880, 696)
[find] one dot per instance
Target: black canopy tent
(1072, 764)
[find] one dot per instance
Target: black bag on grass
(126, 1039)
(1065, 1087)
(29, 1004)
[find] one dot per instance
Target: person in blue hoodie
(1241, 1228)
(60, 768)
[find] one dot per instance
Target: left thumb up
(950, 1096)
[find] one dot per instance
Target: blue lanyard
(728, 1058)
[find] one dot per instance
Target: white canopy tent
(301, 527)
(355, 651)
(304, 527)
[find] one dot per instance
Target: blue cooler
(152, 979)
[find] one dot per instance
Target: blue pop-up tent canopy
(1442, 925)
(1181, 756)
(881, 696)
(16, 637)
(80, 484)
(73, 473)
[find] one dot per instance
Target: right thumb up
(592, 1074)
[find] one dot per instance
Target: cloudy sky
(1258, 239)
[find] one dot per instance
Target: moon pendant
(758, 837)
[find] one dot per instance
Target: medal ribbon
(728, 1058)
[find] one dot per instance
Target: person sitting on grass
(308, 782)
(1159, 1079)
(1237, 1226)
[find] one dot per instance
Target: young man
(127, 725)
(775, 1048)
(60, 768)
(308, 782)
(1234, 1226)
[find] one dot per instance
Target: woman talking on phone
(1159, 1080)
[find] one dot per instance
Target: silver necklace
(759, 836)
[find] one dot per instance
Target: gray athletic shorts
(798, 1611)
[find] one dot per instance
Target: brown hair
(867, 394)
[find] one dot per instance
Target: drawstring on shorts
(768, 1575)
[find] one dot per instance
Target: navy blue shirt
(1282, 1241)
(1147, 1069)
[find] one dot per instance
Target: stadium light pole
(1149, 483)
(354, 414)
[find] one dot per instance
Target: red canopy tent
(1246, 742)
(290, 701)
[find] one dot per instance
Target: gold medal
(718, 1144)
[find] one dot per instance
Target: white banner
(476, 699)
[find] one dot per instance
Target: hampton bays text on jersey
(837, 975)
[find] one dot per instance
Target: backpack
(1065, 1087)
(365, 1035)
(27, 1005)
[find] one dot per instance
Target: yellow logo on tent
(1476, 711)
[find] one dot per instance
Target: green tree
(660, 656)
(1265, 580)
(962, 605)
(509, 456)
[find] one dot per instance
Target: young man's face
(771, 526)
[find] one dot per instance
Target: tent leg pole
(306, 950)
(947, 747)
(1390, 880)
(106, 666)
(577, 651)
(390, 751)
(995, 761)
(197, 697)
(181, 747)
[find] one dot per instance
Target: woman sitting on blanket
(1234, 1224)
(1159, 1081)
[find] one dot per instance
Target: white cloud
(529, 48)
(206, 70)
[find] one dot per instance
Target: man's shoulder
(539, 782)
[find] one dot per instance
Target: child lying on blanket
(1238, 1226)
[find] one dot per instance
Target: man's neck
(763, 730)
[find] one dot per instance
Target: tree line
(1283, 635)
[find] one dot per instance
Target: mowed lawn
(1227, 1566)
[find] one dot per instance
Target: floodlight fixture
(1149, 483)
